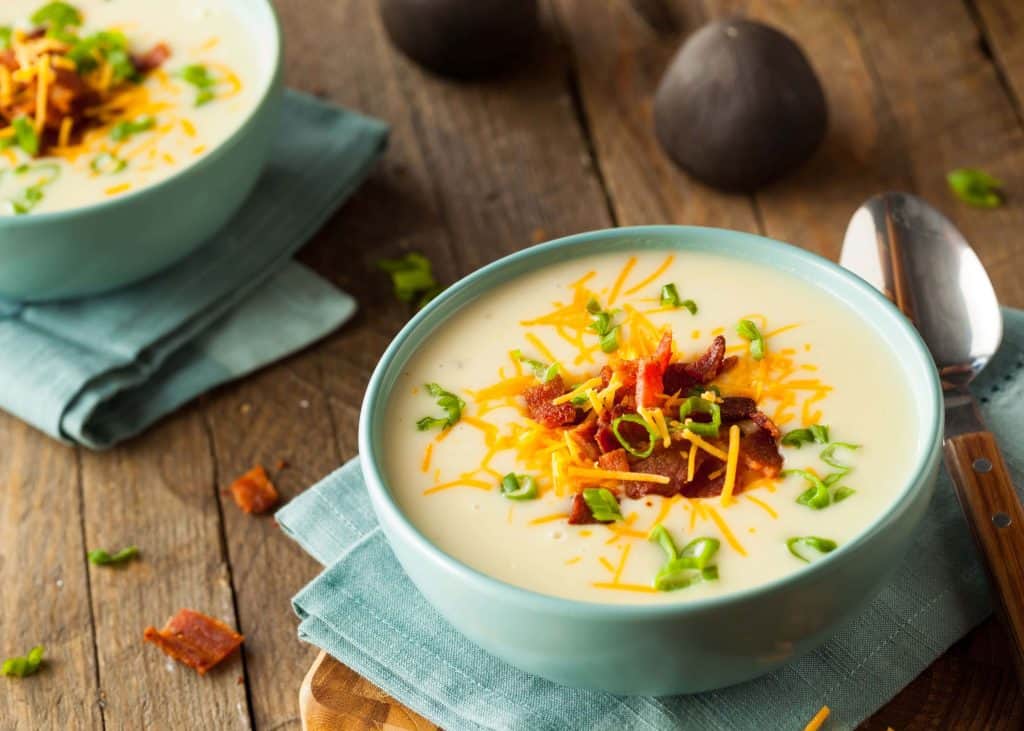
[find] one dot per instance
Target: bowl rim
(270, 85)
(389, 512)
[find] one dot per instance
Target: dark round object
(462, 38)
(739, 106)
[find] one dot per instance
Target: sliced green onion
(110, 46)
(748, 331)
(670, 298)
(663, 538)
(107, 164)
(57, 16)
(5, 37)
(701, 428)
(519, 487)
(99, 557)
(412, 277)
(541, 370)
(816, 496)
(602, 503)
(635, 419)
(680, 573)
(700, 551)
(593, 306)
(25, 136)
(200, 77)
(976, 187)
(23, 666)
(699, 391)
(449, 402)
(841, 493)
(816, 433)
(828, 455)
(610, 341)
(810, 548)
(128, 128)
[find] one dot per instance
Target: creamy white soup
(99, 98)
(697, 470)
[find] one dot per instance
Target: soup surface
(742, 465)
(102, 97)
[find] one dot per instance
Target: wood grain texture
(329, 700)
(1002, 28)
(159, 493)
(45, 596)
(989, 500)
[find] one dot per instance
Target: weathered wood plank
(45, 597)
(277, 415)
(619, 58)
(158, 492)
(1002, 24)
(473, 171)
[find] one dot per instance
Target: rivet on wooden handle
(996, 518)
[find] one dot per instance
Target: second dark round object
(462, 38)
(739, 106)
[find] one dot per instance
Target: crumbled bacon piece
(706, 368)
(199, 641)
(253, 491)
(648, 383)
(760, 452)
(605, 439)
(737, 408)
(538, 403)
(615, 460)
(765, 423)
(704, 486)
(665, 462)
(677, 379)
(152, 59)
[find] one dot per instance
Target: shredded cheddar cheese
(819, 719)
(730, 465)
(616, 475)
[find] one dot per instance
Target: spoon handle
(996, 518)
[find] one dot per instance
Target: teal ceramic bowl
(695, 645)
(99, 247)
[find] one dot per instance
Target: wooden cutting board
(335, 698)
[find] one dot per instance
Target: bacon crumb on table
(253, 491)
(192, 638)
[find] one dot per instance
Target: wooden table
(475, 171)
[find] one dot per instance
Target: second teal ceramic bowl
(663, 649)
(83, 251)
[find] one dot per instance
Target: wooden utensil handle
(996, 518)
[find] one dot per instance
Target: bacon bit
(706, 368)
(538, 403)
(615, 461)
(253, 491)
(667, 463)
(606, 440)
(199, 641)
(152, 59)
(677, 378)
(760, 452)
(765, 423)
(737, 408)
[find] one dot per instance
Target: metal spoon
(917, 258)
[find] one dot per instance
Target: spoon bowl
(916, 256)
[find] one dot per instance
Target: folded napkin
(365, 612)
(98, 370)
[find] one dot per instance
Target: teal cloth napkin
(97, 370)
(365, 612)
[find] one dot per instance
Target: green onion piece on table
(602, 503)
(810, 548)
(449, 402)
(99, 557)
(976, 187)
(412, 277)
(519, 487)
(700, 405)
(22, 666)
(748, 331)
(635, 419)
